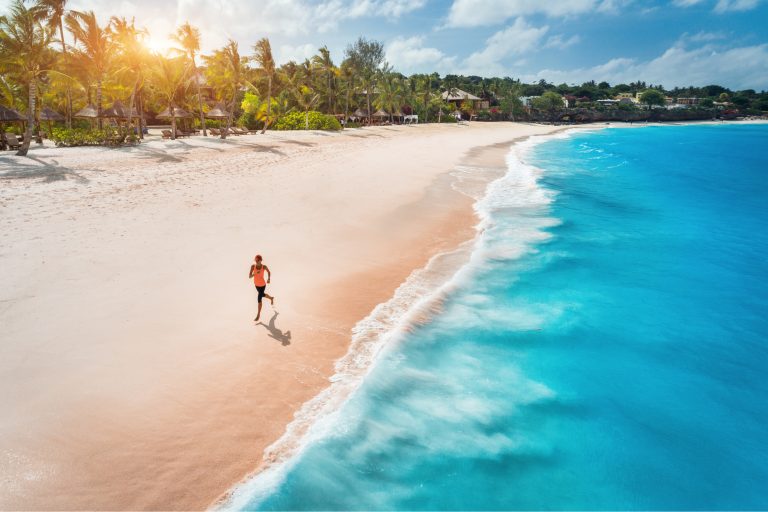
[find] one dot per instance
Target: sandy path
(131, 373)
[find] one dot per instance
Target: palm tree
(25, 54)
(263, 57)
(168, 77)
(94, 48)
(54, 11)
(323, 62)
(390, 92)
(424, 93)
(188, 37)
(133, 55)
(299, 78)
(228, 65)
(348, 78)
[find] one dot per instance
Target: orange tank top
(258, 276)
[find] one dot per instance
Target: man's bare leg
(271, 299)
(258, 315)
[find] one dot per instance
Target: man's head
(258, 258)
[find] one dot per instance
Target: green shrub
(484, 115)
(352, 124)
(297, 121)
(108, 136)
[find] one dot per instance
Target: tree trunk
(68, 116)
(30, 119)
(346, 106)
(269, 103)
(224, 133)
(173, 122)
(368, 97)
(130, 105)
(141, 116)
(98, 104)
(38, 128)
(306, 119)
(200, 98)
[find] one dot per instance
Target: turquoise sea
(605, 348)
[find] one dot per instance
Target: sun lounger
(180, 134)
(166, 134)
(13, 142)
(214, 131)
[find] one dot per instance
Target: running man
(257, 273)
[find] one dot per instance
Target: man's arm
(250, 274)
(269, 274)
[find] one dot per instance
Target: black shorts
(261, 290)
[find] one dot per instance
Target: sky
(672, 43)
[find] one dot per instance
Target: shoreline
(142, 375)
(419, 298)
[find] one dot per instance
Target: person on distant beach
(257, 273)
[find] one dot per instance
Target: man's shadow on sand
(274, 332)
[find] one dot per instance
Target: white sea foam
(414, 300)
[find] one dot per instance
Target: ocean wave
(414, 303)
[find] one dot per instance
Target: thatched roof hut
(217, 112)
(380, 113)
(178, 113)
(89, 112)
(119, 111)
(458, 95)
(47, 114)
(9, 115)
(360, 113)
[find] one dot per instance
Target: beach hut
(217, 112)
(178, 113)
(8, 115)
(88, 112)
(46, 114)
(119, 112)
(380, 115)
(358, 115)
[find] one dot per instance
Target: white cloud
(686, 3)
(702, 37)
(735, 5)
(219, 20)
(297, 53)
(409, 55)
(474, 13)
(518, 38)
(559, 43)
(737, 68)
(722, 6)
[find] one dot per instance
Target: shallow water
(606, 348)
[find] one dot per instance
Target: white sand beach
(132, 374)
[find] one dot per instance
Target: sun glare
(158, 45)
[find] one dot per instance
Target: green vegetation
(311, 120)
(85, 137)
(652, 97)
(65, 60)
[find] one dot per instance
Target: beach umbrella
(8, 114)
(89, 112)
(119, 111)
(217, 112)
(380, 113)
(46, 114)
(360, 113)
(178, 113)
